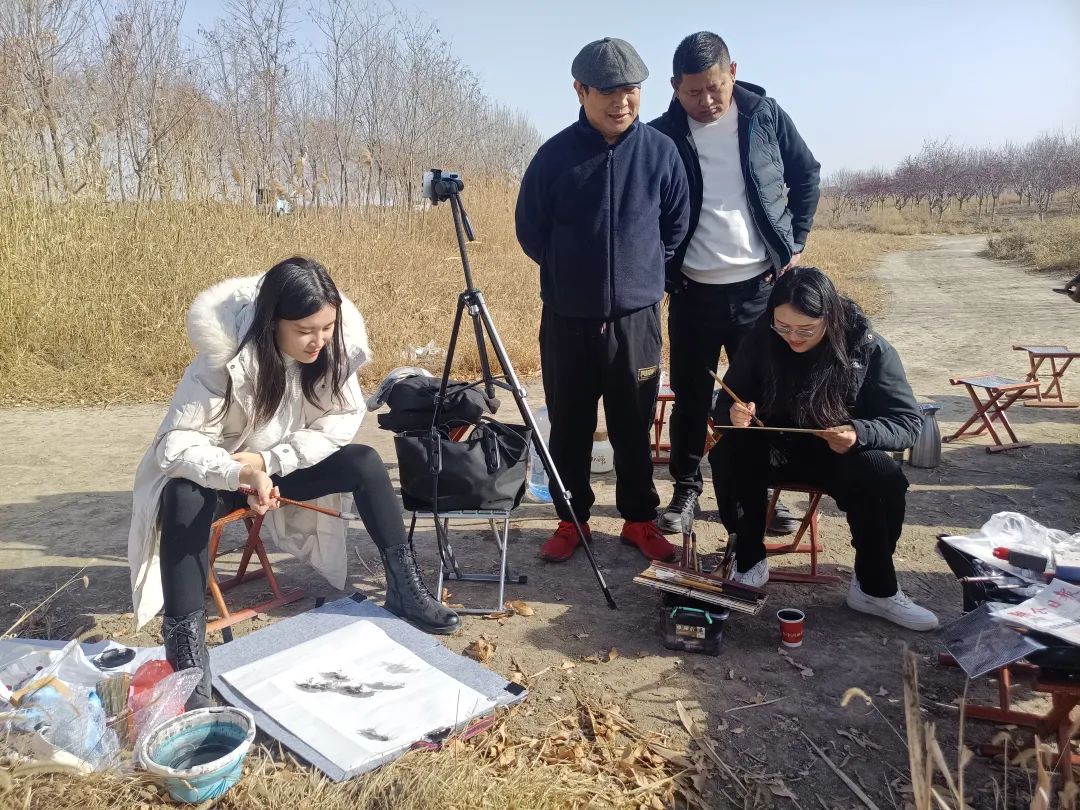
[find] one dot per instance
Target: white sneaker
(897, 608)
(756, 577)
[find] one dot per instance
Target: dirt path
(65, 500)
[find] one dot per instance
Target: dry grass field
(93, 296)
(1052, 246)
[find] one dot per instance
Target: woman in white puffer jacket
(272, 403)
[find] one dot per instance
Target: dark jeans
(703, 319)
(187, 510)
(867, 485)
(583, 361)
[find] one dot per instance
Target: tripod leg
(481, 345)
(538, 441)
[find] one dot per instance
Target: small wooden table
(1055, 724)
(1051, 396)
(1001, 393)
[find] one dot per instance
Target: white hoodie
(190, 444)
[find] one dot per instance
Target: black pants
(703, 319)
(583, 361)
(867, 485)
(187, 510)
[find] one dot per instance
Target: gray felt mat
(333, 616)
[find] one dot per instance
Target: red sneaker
(648, 539)
(561, 546)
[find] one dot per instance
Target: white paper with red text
(1054, 610)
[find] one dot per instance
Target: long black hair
(291, 290)
(814, 386)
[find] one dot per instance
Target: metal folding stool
(448, 564)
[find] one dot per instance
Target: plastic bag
(167, 700)
(1016, 532)
(429, 356)
(66, 719)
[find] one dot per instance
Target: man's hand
(266, 494)
(740, 416)
(1074, 289)
(840, 439)
(253, 460)
(794, 261)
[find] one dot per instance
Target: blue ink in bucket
(200, 754)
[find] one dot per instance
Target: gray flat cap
(609, 63)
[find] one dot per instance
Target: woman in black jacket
(814, 362)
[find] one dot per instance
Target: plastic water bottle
(537, 490)
(603, 455)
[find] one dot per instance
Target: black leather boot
(408, 596)
(185, 647)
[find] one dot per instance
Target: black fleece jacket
(881, 404)
(602, 219)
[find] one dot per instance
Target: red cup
(791, 626)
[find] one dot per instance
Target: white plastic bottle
(603, 455)
(537, 490)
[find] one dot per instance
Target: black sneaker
(684, 500)
(783, 521)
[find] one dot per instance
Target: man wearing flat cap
(602, 208)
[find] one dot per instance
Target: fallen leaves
(481, 650)
(859, 738)
(804, 670)
(520, 607)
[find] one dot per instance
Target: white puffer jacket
(190, 444)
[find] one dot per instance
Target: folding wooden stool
(254, 545)
(1001, 393)
(1051, 396)
(661, 450)
(797, 545)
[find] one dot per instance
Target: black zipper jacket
(602, 220)
(881, 404)
(774, 156)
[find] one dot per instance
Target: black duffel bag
(412, 404)
(483, 470)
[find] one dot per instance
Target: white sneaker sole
(872, 609)
(761, 584)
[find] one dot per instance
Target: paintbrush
(290, 502)
(113, 692)
(735, 396)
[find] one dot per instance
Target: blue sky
(865, 82)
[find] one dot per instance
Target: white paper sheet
(1054, 610)
(356, 694)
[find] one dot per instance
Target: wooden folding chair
(254, 545)
(1001, 393)
(1051, 396)
(661, 450)
(797, 545)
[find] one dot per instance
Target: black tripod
(472, 301)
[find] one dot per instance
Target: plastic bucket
(200, 754)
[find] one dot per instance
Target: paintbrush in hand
(290, 502)
(735, 397)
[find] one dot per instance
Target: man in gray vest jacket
(753, 194)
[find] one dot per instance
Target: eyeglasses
(787, 331)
